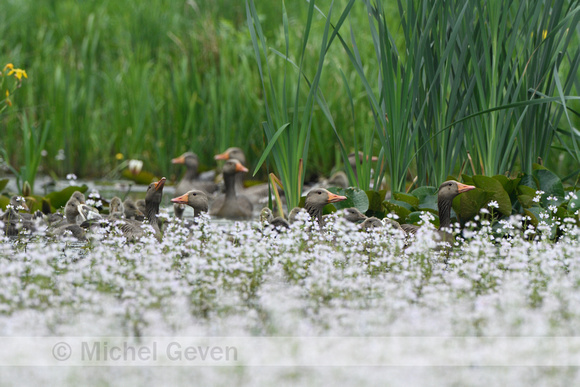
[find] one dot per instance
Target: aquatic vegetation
(213, 278)
(242, 279)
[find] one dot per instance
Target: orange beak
(332, 198)
(464, 187)
(159, 185)
(178, 160)
(222, 156)
(181, 199)
(240, 167)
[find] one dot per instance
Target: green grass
(149, 81)
(153, 80)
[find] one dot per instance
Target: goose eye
(319, 192)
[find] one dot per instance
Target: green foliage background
(154, 79)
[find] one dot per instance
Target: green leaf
(415, 218)
(534, 214)
(34, 202)
(4, 201)
(59, 198)
(376, 203)
(271, 143)
(3, 184)
(142, 177)
(505, 182)
(526, 201)
(526, 190)
(550, 184)
(529, 181)
(495, 192)
(468, 204)
(467, 179)
(538, 167)
(412, 200)
(422, 192)
(401, 209)
(356, 197)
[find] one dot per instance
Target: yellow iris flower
(18, 73)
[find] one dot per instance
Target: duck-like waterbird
(190, 180)
(196, 199)
(316, 199)
(133, 230)
(447, 192)
(232, 205)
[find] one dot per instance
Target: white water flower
(60, 155)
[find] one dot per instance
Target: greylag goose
(196, 199)
(153, 198)
(132, 229)
(234, 154)
(316, 199)
(447, 192)
(256, 193)
(131, 210)
(141, 206)
(12, 223)
(79, 196)
(69, 223)
(116, 208)
(267, 218)
(232, 205)
(190, 180)
(366, 223)
(19, 203)
(293, 215)
(352, 214)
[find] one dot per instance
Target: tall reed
(288, 117)
(466, 78)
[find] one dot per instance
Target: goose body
(316, 199)
(232, 205)
(447, 192)
(190, 180)
(196, 199)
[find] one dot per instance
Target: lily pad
(403, 197)
(376, 203)
(59, 198)
(526, 190)
(142, 177)
(429, 203)
(415, 218)
(468, 204)
(4, 201)
(496, 192)
(467, 179)
(356, 197)
(528, 181)
(401, 209)
(508, 184)
(422, 192)
(551, 185)
(526, 201)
